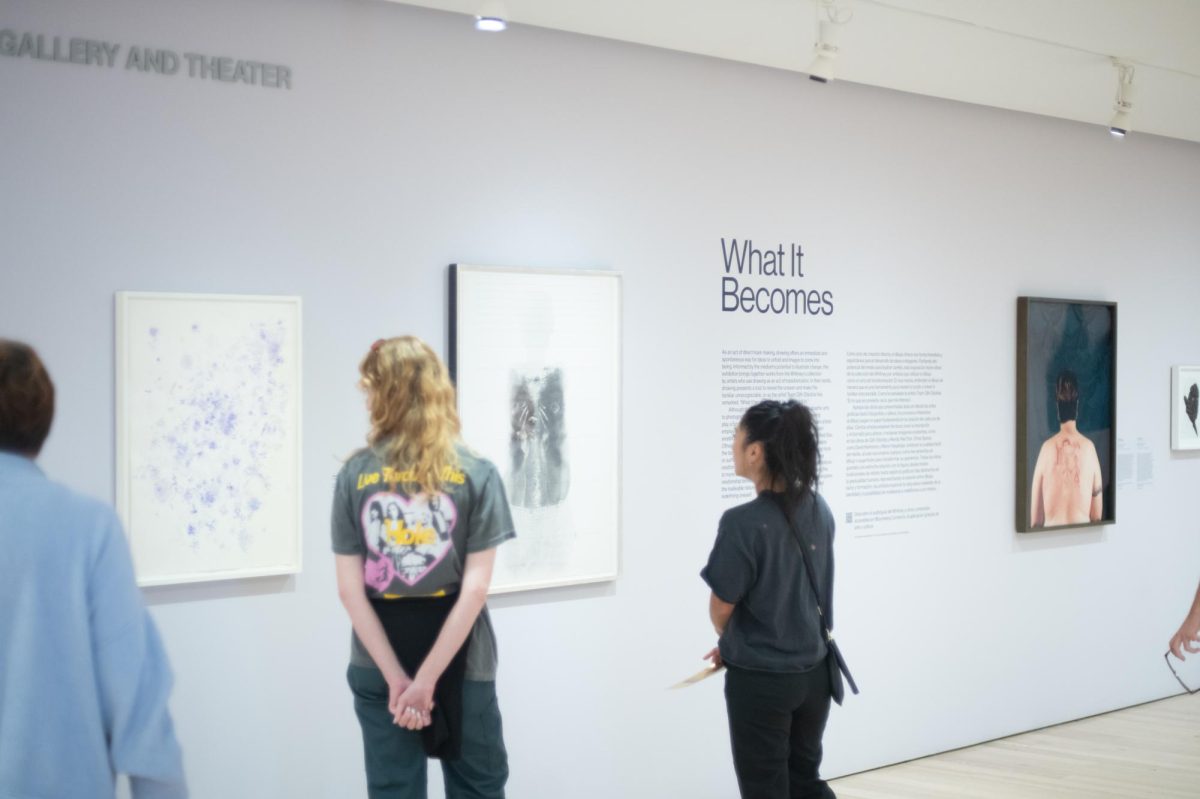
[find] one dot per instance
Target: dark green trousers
(395, 760)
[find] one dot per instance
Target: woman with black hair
(777, 685)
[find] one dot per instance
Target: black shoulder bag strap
(830, 643)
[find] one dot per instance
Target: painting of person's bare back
(1066, 413)
(1067, 485)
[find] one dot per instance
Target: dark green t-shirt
(416, 545)
(755, 566)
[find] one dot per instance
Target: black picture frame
(1066, 366)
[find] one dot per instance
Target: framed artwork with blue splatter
(208, 435)
(1185, 407)
(536, 357)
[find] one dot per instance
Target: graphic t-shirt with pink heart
(415, 544)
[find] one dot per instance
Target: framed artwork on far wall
(535, 355)
(208, 435)
(1185, 407)
(1066, 413)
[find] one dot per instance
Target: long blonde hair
(414, 422)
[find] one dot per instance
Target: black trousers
(776, 722)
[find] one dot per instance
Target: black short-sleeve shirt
(755, 565)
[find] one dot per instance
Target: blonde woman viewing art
(423, 654)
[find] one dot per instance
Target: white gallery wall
(408, 142)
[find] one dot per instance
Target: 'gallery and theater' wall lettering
(108, 55)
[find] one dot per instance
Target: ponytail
(791, 447)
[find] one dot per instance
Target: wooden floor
(1147, 751)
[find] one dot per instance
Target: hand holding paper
(714, 667)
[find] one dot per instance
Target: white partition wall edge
(405, 141)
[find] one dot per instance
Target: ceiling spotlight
(830, 19)
(1119, 125)
(822, 68)
(491, 17)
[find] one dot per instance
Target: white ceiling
(1047, 57)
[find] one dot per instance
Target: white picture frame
(1185, 415)
(533, 347)
(208, 435)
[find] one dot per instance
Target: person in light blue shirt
(84, 679)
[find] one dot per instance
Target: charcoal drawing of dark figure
(540, 475)
(1191, 404)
